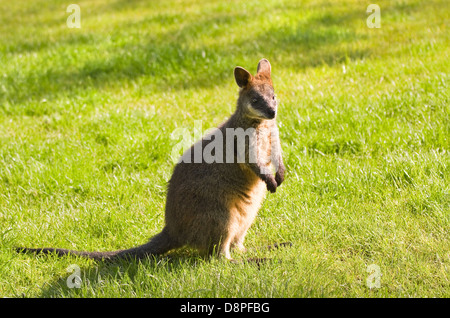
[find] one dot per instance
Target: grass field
(86, 117)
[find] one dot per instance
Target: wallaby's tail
(159, 244)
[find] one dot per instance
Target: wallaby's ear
(264, 67)
(242, 76)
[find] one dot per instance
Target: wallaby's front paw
(279, 177)
(271, 185)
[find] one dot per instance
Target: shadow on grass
(102, 279)
(173, 60)
(152, 276)
(179, 57)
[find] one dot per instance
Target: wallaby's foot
(279, 245)
(254, 260)
(273, 246)
(257, 260)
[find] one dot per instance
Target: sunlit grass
(86, 117)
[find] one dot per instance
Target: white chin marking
(254, 112)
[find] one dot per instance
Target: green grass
(86, 117)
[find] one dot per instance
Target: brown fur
(210, 206)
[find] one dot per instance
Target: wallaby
(211, 205)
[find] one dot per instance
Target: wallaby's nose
(271, 113)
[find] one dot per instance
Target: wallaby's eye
(254, 100)
(273, 97)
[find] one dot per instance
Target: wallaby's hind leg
(238, 240)
(239, 245)
(223, 249)
(220, 248)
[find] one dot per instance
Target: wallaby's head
(256, 97)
